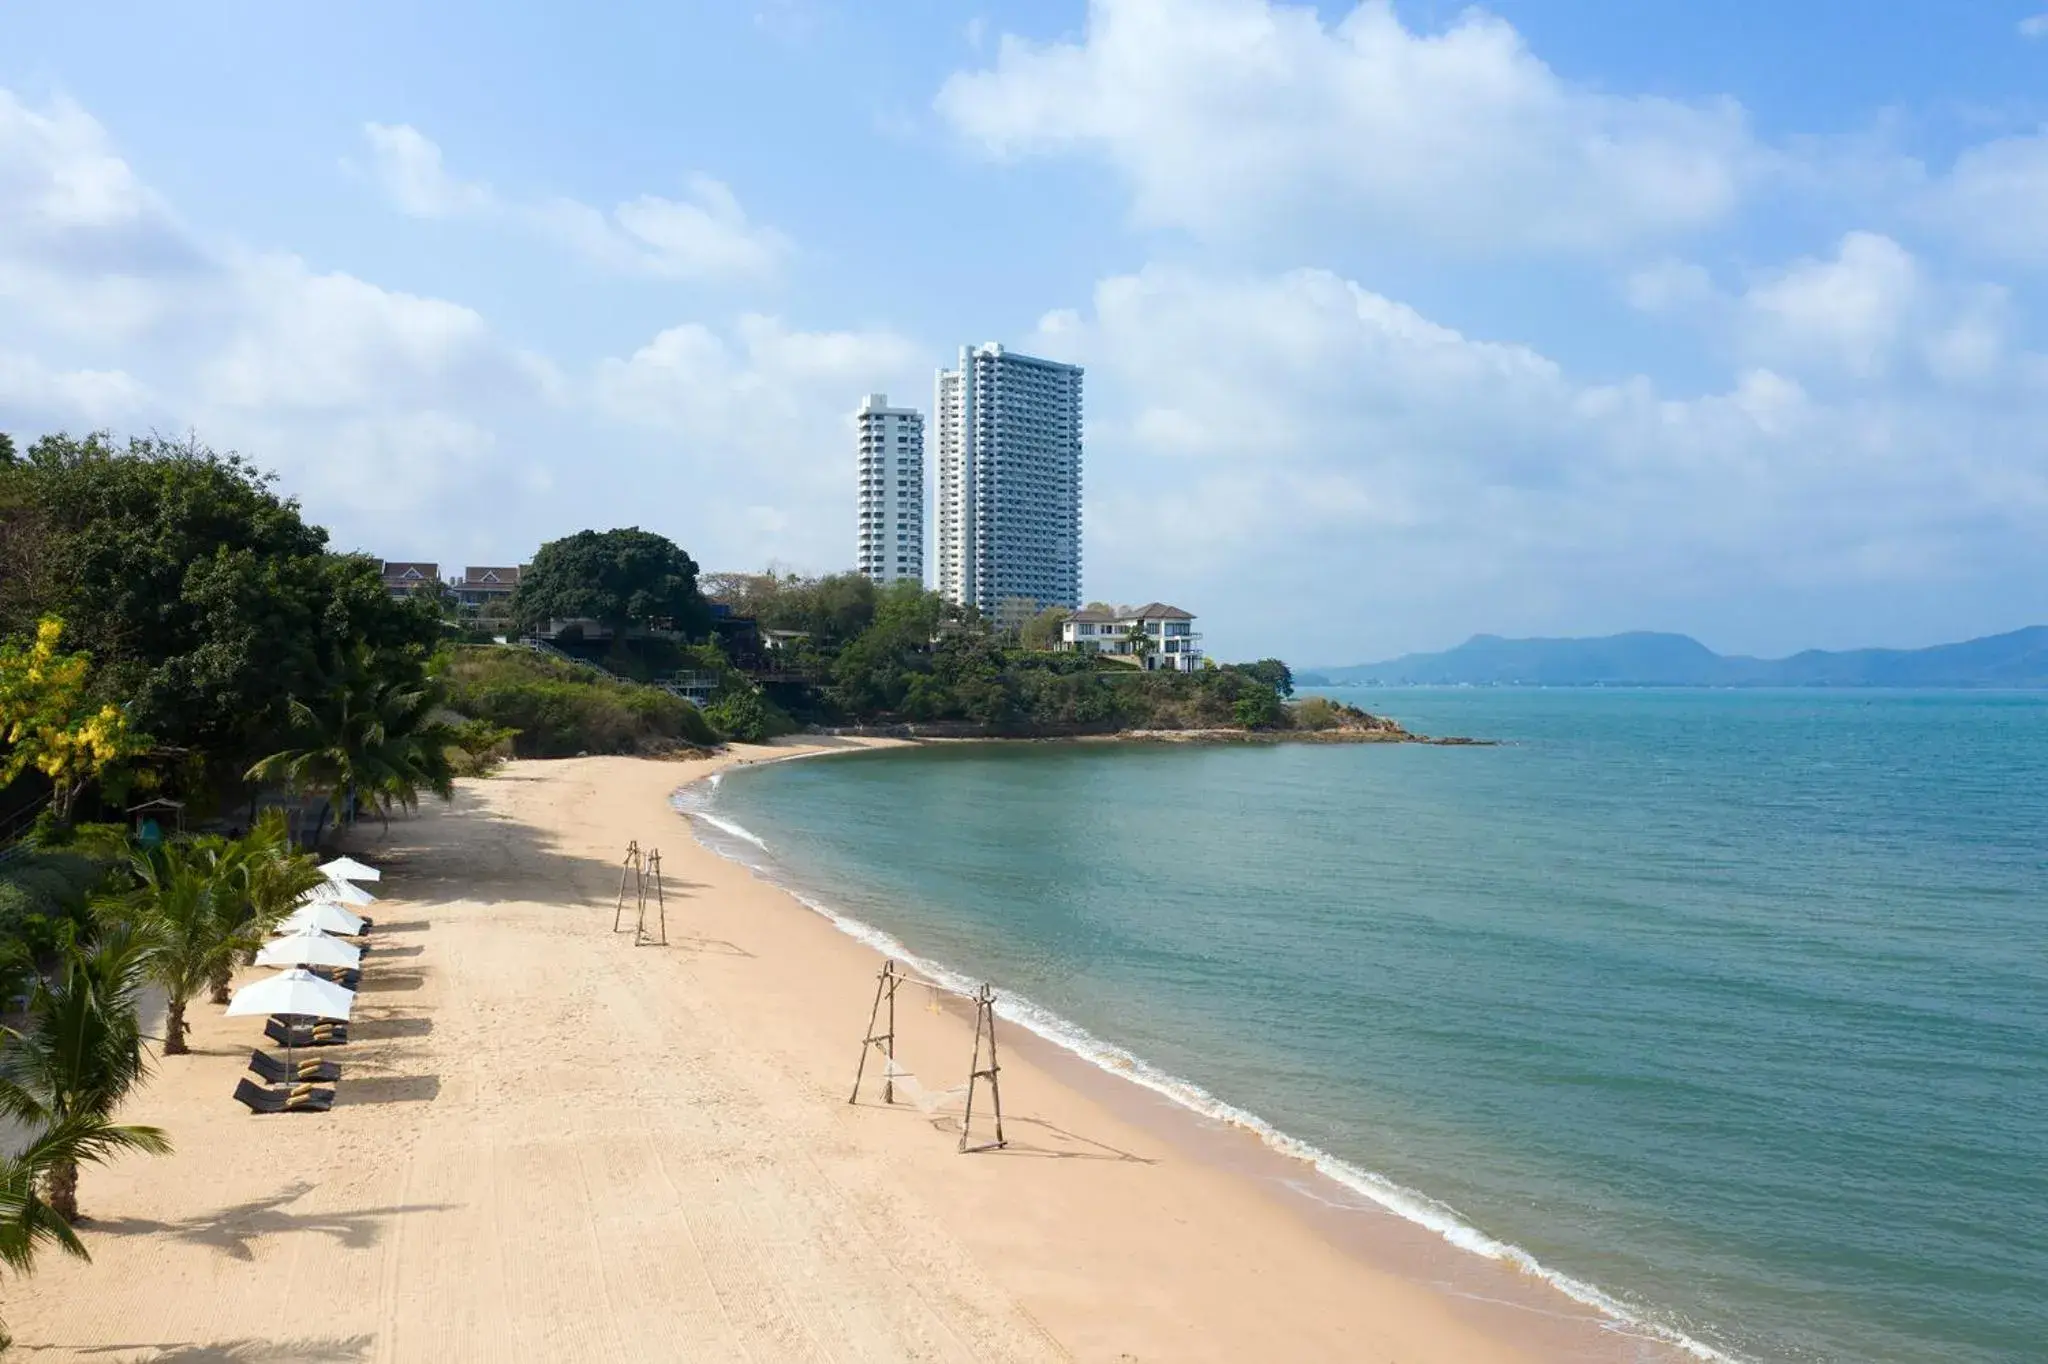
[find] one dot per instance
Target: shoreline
(949, 732)
(550, 1142)
(1323, 1189)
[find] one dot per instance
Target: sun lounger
(277, 1072)
(304, 1099)
(346, 977)
(306, 1035)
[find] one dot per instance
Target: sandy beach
(553, 1144)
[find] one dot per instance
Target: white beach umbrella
(324, 915)
(309, 947)
(297, 992)
(341, 893)
(348, 869)
(293, 992)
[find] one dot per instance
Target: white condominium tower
(891, 491)
(1009, 448)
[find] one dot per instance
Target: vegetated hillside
(2018, 658)
(561, 709)
(1646, 659)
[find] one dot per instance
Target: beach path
(551, 1144)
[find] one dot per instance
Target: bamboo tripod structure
(634, 871)
(886, 982)
(881, 1036)
(651, 876)
(984, 1022)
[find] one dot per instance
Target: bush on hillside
(561, 710)
(745, 716)
(1316, 712)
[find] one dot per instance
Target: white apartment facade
(891, 491)
(1008, 442)
(1171, 644)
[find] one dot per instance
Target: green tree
(204, 600)
(6, 448)
(619, 578)
(740, 715)
(367, 739)
(1257, 707)
(1139, 643)
(875, 674)
(1042, 631)
(832, 610)
(64, 1074)
(1273, 673)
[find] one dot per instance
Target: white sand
(553, 1145)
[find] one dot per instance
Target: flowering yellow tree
(48, 722)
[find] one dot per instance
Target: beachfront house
(1155, 636)
(406, 579)
(479, 587)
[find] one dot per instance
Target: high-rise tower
(1009, 493)
(891, 491)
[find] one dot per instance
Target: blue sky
(1401, 322)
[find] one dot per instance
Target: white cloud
(705, 236)
(404, 421)
(96, 396)
(1869, 311)
(1230, 117)
(759, 415)
(407, 166)
(1848, 311)
(310, 341)
(2034, 26)
(1995, 198)
(1439, 477)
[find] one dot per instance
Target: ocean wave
(727, 826)
(1070, 1036)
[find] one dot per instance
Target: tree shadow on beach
(525, 863)
(380, 1029)
(387, 1089)
(247, 1350)
(231, 1230)
(385, 982)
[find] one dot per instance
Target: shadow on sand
(248, 1350)
(387, 1089)
(231, 1230)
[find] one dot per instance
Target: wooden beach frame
(881, 1036)
(642, 870)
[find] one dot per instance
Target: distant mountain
(1647, 659)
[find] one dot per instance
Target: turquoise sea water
(1733, 1005)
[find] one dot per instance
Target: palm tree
(62, 1077)
(268, 878)
(28, 1222)
(369, 739)
(1138, 642)
(180, 912)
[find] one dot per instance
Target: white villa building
(1171, 644)
(1007, 435)
(891, 489)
